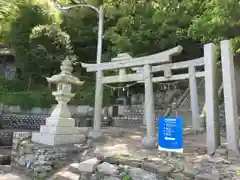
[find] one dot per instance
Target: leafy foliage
(216, 21)
(41, 35)
(49, 45)
(38, 42)
(145, 27)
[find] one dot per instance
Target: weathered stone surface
(85, 175)
(108, 169)
(81, 147)
(89, 165)
(66, 175)
(216, 173)
(26, 159)
(201, 150)
(43, 174)
(140, 174)
(179, 176)
(157, 168)
(206, 176)
(221, 151)
(110, 158)
(6, 168)
(215, 160)
(190, 172)
(111, 178)
(75, 168)
(130, 162)
(21, 161)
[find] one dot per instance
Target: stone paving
(120, 156)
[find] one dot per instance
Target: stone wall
(17, 138)
(83, 109)
(23, 121)
(33, 122)
(39, 159)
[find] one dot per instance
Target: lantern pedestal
(57, 139)
(60, 127)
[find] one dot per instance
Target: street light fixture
(99, 86)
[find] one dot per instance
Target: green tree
(145, 27)
(35, 36)
(216, 21)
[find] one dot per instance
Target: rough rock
(108, 169)
(163, 170)
(110, 178)
(206, 176)
(85, 175)
(26, 159)
(141, 174)
(6, 168)
(180, 176)
(216, 173)
(221, 151)
(66, 175)
(108, 157)
(215, 160)
(190, 172)
(130, 162)
(89, 165)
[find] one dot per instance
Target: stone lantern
(60, 127)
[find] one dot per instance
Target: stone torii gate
(121, 62)
(209, 61)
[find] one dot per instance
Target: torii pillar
(149, 110)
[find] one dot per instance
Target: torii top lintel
(162, 57)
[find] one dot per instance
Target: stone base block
(58, 130)
(58, 121)
(57, 139)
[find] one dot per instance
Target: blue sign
(170, 134)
